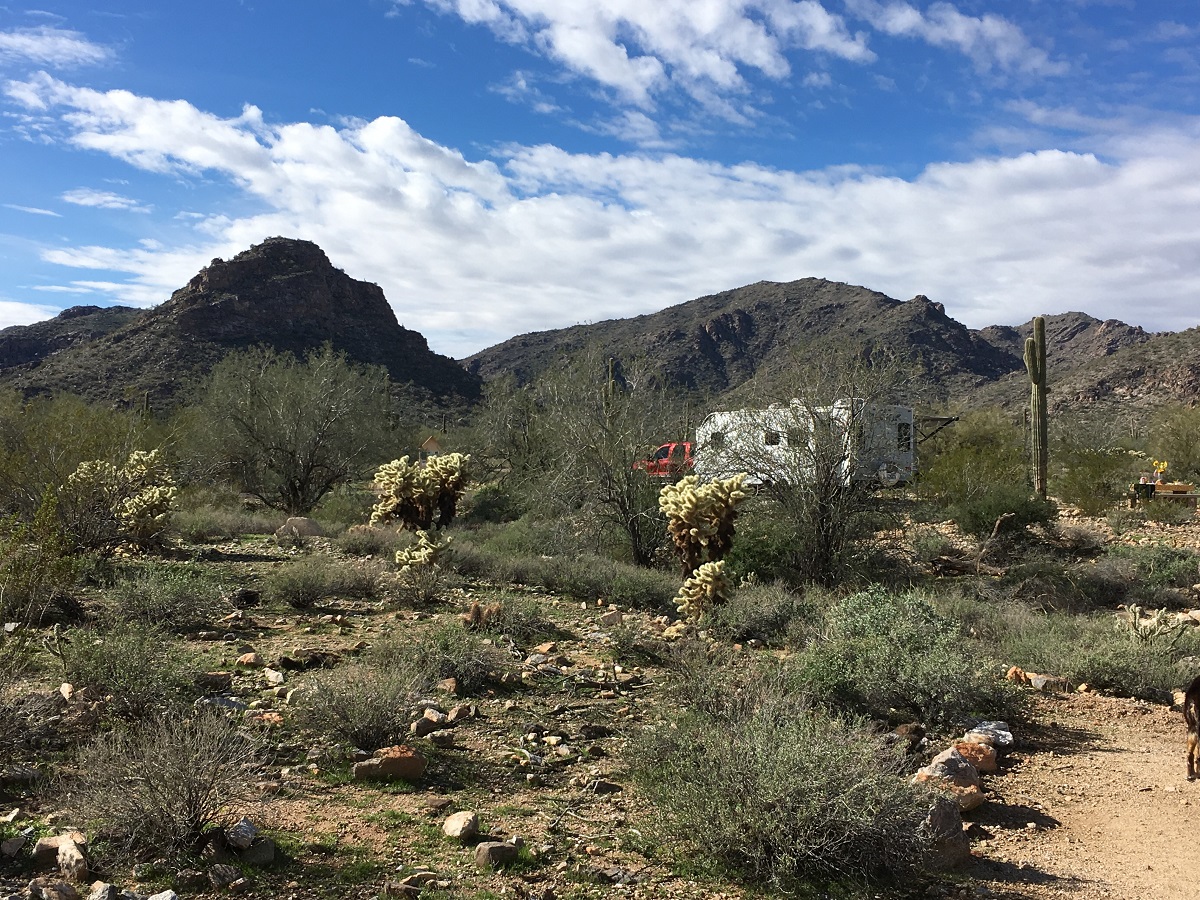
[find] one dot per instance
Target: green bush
(35, 574)
(1168, 512)
(494, 503)
(765, 612)
(759, 783)
(140, 666)
(891, 656)
(153, 789)
(1091, 478)
(1083, 648)
(345, 505)
(366, 706)
(446, 651)
(367, 540)
(163, 595)
(978, 515)
(306, 581)
(517, 616)
(209, 524)
(1160, 565)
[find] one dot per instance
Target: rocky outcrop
(282, 293)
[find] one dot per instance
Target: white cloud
(14, 313)
(472, 252)
(640, 49)
(33, 210)
(990, 41)
(103, 200)
(49, 46)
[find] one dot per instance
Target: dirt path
(1094, 803)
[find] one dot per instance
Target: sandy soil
(1093, 803)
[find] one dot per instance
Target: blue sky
(505, 166)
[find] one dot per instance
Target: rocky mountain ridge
(282, 293)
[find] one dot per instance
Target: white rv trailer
(861, 441)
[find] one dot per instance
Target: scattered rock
(49, 888)
(399, 762)
(943, 834)
(102, 890)
(981, 756)
(241, 835)
(462, 825)
(995, 734)
(251, 660)
(260, 853)
(494, 854)
(300, 526)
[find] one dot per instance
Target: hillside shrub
(446, 651)
(760, 783)
(304, 582)
(366, 706)
(766, 612)
(163, 595)
(517, 616)
(152, 789)
(35, 574)
(889, 655)
(139, 666)
(1159, 565)
(368, 540)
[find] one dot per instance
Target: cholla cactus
(104, 506)
(706, 588)
(700, 518)
(1143, 626)
(421, 572)
(412, 492)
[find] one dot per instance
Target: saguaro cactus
(1035, 362)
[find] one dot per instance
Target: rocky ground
(1090, 803)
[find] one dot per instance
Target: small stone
(251, 660)
(48, 888)
(164, 895)
(462, 825)
(612, 617)
(273, 676)
(399, 762)
(443, 739)
(223, 875)
(102, 890)
(494, 854)
(13, 846)
(241, 835)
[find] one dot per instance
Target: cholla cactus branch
(706, 588)
(700, 518)
(412, 493)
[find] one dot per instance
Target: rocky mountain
(282, 293)
(713, 344)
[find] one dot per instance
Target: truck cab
(670, 460)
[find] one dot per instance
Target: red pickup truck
(668, 461)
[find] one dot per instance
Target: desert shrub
(366, 706)
(762, 784)
(1168, 512)
(164, 595)
(885, 654)
(367, 540)
(1081, 540)
(209, 524)
(1159, 565)
(344, 506)
(518, 616)
(765, 612)
(35, 572)
(153, 788)
(303, 582)
(494, 503)
(581, 575)
(1123, 519)
(978, 515)
(1090, 477)
(140, 666)
(1093, 648)
(446, 651)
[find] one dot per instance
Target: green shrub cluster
(446, 651)
(304, 582)
(758, 782)
(366, 706)
(892, 655)
(162, 594)
(140, 667)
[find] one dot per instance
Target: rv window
(770, 438)
(797, 436)
(904, 437)
(717, 439)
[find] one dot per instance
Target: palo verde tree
(288, 430)
(591, 422)
(821, 519)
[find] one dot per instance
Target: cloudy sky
(505, 166)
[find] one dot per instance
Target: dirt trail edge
(1094, 802)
